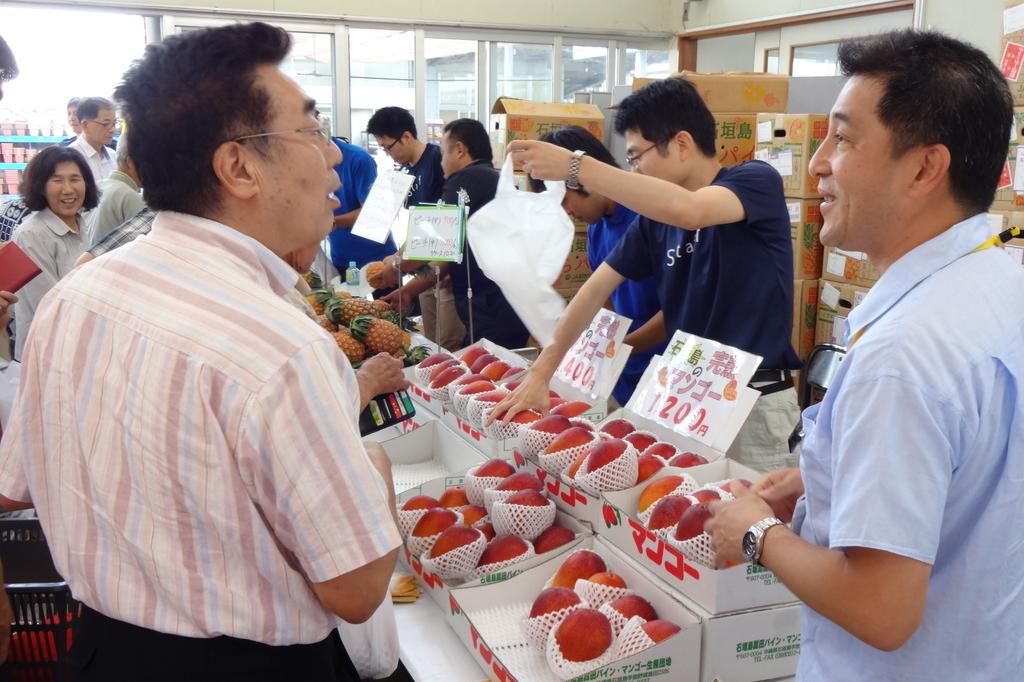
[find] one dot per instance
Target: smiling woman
(58, 185)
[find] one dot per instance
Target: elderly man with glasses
(98, 121)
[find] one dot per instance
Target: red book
(16, 268)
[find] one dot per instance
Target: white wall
(728, 53)
(977, 21)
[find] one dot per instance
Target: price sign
(436, 233)
(696, 386)
(587, 364)
(386, 197)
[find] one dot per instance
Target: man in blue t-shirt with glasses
(716, 240)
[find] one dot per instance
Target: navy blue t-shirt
(429, 177)
(636, 300)
(729, 283)
(357, 172)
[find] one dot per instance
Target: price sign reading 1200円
(696, 386)
(587, 363)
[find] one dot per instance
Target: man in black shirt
(466, 159)
(395, 131)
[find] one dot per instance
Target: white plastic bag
(521, 240)
(373, 645)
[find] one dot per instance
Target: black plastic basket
(44, 612)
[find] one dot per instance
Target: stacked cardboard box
(1012, 50)
(1010, 192)
(835, 301)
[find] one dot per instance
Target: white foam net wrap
(617, 620)
(525, 521)
(532, 441)
(458, 563)
(499, 431)
(460, 400)
(496, 566)
(596, 594)
(721, 493)
(422, 374)
(476, 485)
(698, 549)
(566, 670)
(536, 629)
(618, 474)
(407, 520)
(559, 461)
(685, 488)
(421, 545)
(475, 409)
(492, 495)
(442, 394)
(632, 639)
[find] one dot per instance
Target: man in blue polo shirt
(357, 171)
(608, 222)
(715, 239)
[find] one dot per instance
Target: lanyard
(996, 240)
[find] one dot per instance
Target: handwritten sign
(695, 389)
(386, 197)
(587, 364)
(436, 233)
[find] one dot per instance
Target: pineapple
(380, 336)
(382, 307)
(415, 355)
(326, 324)
(373, 271)
(353, 349)
(353, 308)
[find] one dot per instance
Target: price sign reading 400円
(587, 364)
(695, 389)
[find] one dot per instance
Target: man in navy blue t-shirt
(716, 241)
(608, 222)
(395, 131)
(357, 171)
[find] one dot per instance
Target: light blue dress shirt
(918, 450)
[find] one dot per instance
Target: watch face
(749, 546)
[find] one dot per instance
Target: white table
(430, 649)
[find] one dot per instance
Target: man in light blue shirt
(907, 547)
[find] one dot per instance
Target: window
(815, 60)
(451, 83)
(524, 71)
(645, 63)
(311, 64)
(382, 73)
(584, 69)
(771, 60)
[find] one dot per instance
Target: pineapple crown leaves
(416, 355)
(332, 309)
(361, 326)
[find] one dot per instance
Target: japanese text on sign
(587, 363)
(386, 198)
(436, 233)
(695, 388)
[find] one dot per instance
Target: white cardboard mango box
(490, 617)
(586, 507)
(440, 591)
(716, 591)
(427, 453)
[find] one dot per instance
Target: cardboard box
(746, 646)
(490, 628)
(576, 270)
(439, 590)
(805, 223)
(805, 315)
(590, 508)
(850, 267)
(428, 453)
(787, 142)
(734, 138)
(1015, 247)
(1011, 48)
(1010, 192)
(835, 301)
(414, 422)
(717, 591)
(518, 119)
(749, 93)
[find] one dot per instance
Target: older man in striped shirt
(185, 434)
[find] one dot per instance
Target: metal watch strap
(760, 529)
(573, 181)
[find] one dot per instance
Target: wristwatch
(753, 539)
(573, 181)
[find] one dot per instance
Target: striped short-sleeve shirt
(190, 441)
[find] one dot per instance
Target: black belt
(771, 380)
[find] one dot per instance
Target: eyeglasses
(387, 147)
(109, 125)
(634, 160)
(321, 130)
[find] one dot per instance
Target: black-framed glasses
(387, 147)
(634, 159)
(321, 130)
(109, 125)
